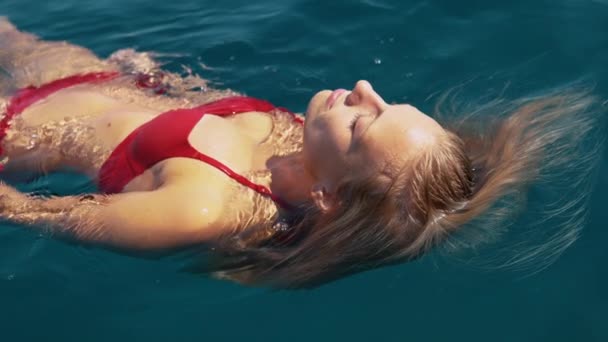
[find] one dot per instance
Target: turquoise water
(283, 51)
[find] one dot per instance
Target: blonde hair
(438, 197)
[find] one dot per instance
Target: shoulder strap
(232, 106)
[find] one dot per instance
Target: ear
(324, 199)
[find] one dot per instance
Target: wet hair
(488, 159)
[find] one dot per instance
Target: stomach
(112, 119)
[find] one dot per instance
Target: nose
(364, 95)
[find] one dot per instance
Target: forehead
(399, 134)
(410, 117)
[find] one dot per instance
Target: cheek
(373, 151)
(325, 148)
(326, 135)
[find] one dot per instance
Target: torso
(236, 141)
(99, 117)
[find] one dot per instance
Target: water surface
(284, 51)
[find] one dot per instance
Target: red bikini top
(165, 136)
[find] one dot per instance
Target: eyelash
(353, 122)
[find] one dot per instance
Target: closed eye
(353, 122)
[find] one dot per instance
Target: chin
(317, 103)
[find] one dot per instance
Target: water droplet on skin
(30, 145)
(377, 61)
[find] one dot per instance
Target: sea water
(284, 51)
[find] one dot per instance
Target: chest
(204, 142)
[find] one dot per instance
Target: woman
(282, 202)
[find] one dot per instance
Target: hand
(11, 200)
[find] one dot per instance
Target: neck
(289, 179)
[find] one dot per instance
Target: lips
(333, 97)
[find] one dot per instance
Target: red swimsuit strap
(27, 96)
(260, 189)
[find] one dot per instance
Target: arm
(33, 61)
(169, 217)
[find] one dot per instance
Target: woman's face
(356, 133)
